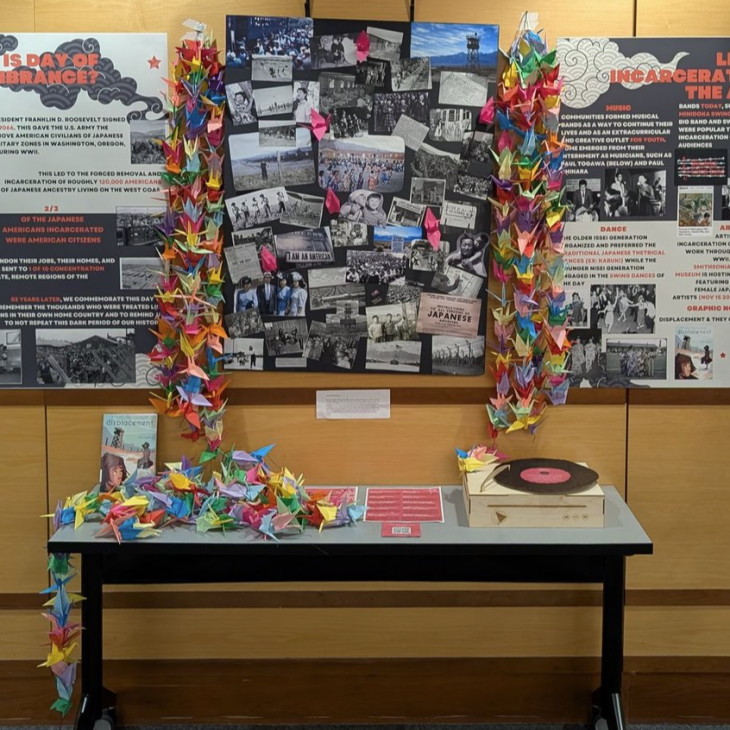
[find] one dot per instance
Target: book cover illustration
(128, 444)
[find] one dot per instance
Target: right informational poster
(647, 249)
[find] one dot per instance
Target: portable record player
(533, 493)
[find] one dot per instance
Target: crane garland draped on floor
(531, 343)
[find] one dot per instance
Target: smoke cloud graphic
(586, 64)
(109, 85)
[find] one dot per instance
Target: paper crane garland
(530, 343)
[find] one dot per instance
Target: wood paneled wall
(670, 455)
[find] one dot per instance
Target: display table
(445, 552)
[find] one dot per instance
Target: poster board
(371, 294)
(79, 198)
(647, 251)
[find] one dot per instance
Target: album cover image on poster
(339, 287)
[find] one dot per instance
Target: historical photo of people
(277, 133)
(635, 193)
(348, 122)
(241, 104)
(433, 163)
(346, 233)
(272, 100)
(138, 225)
(623, 308)
(346, 321)
(387, 109)
(385, 44)
(274, 69)
(449, 125)
(303, 210)
(334, 51)
(422, 256)
(372, 73)
(410, 74)
(11, 357)
(244, 323)
(375, 163)
(253, 209)
(364, 206)
(255, 166)
(458, 283)
(251, 36)
(584, 199)
(477, 146)
(330, 349)
(145, 138)
(338, 90)
(375, 267)
(391, 322)
(586, 360)
(243, 353)
(428, 191)
(285, 336)
(470, 254)
(404, 213)
(97, 355)
(578, 309)
(637, 359)
(306, 99)
(457, 355)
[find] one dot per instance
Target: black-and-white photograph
(428, 191)
(375, 163)
(393, 321)
(375, 267)
(330, 295)
(472, 186)
(400, 356)
(623, 308)
(260, 237)
(457, 282)
(424, 257)
(306, 98)
(406, 292)
(347, 321)
(334, 51)
(459, 215)
(635, 193)
(434, 163)
(241, 104)
(404, 213)
(470, 253)
(277, 133)
(449, 125)
(347, 233)
(244, 323)
(477, 146)
(363, 206)
(338, 90)
(463, 89)
(285, 336)
(584, 199)
(640, 359)
(137, 225)
(384, 44)
(725, 204)
(254, 209)
(349, 122)
(586, 361)
(11, 360)
(141, 273)
(145, 138)
(330, 349)
(457, 355)
(255, 35)
(303, 210)
(305, 248)
(243, 353)
(387, 109)
(272, 100)
(578, 308)
(255, 167)
(274, 69)
(410, 74)
(86, 356)
(372, 73)
(327, 275)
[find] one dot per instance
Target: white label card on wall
(353, 404)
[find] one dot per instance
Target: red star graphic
(722, 355)
(154, 62)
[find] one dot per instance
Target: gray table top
(622, 534)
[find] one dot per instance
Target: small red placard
(399, 529)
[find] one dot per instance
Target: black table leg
(608, 697)
(95, 699)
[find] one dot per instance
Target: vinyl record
(546, 476)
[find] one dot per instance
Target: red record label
(545, 475)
